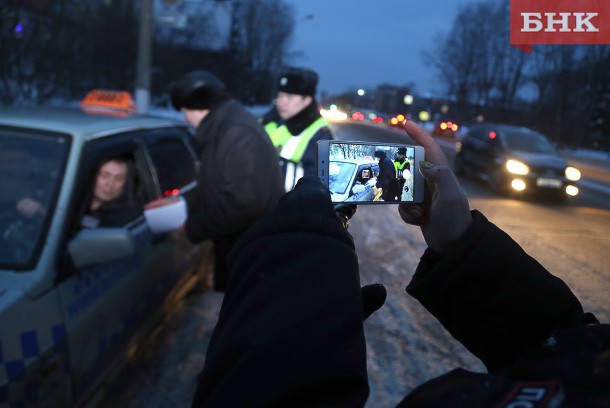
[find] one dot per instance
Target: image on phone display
(367, 173)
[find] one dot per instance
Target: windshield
(30, 173)
(339, 176)
(527, 141)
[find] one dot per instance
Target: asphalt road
(406, 346)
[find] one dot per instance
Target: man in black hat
(295, 125)
(386, 180)
(403, 171)
(239, 180)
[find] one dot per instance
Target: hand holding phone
(365, 173)
(445, 215)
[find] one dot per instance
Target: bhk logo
(559, 22)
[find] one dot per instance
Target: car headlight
(572, 173)
(516, 167)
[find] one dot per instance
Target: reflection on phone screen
(370, 173)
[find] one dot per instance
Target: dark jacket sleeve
(248, 185)
(290, 328)
(492, 296)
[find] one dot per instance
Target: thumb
(373, 297)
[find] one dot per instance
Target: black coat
(387, 179)
(239, 180)
(290, 330)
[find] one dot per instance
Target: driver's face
(110, 181)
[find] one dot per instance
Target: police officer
(239, 180)
(294, 124)
(403, 170)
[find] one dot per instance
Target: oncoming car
(76, 299)
(515, 159)
(353, 180)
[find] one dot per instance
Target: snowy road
(405, 345)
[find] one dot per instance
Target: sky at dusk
(364, 43)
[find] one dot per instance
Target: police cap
(300, 81)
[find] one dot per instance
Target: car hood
(541, 159)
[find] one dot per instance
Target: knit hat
(300, 81)
(402, 150)
(380, 153)
(197, 90)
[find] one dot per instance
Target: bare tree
(455, 57)
(260, 43)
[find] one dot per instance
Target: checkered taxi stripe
(35, 364)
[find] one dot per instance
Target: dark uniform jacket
(290, 330)
(239, 180)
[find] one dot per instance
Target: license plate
(548, 182)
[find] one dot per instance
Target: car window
(31, 170)
(173, 160)
(527, 141)
(339, 176)
(365, 174)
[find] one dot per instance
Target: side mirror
(99, 245)
(358, 188)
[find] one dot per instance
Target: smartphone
(365, 173)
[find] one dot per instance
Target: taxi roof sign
(108, 101)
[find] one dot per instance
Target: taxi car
(76, 302)
(352, 180)
(515, 159)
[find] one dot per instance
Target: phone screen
(366, 173)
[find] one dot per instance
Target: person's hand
(345, 212)
(373, 297)
(445, 214)
(29, 207)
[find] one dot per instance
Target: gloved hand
(373, 297)
(345, 212)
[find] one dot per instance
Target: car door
(110, 305)
(477, 151)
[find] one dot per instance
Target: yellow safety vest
(293, 146)
(399, 168)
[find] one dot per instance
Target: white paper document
(167, 217)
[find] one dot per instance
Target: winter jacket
(239, 180)
(290, 330)
(387, 179)
(296, 127)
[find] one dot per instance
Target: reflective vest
(399, 168)
(292, 148)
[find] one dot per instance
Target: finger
(434, 153)
(439, 177)
(412, 214)
(373, 297)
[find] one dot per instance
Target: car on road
(76, 302)
(352, 180)
(446, 128)
(515, 159)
